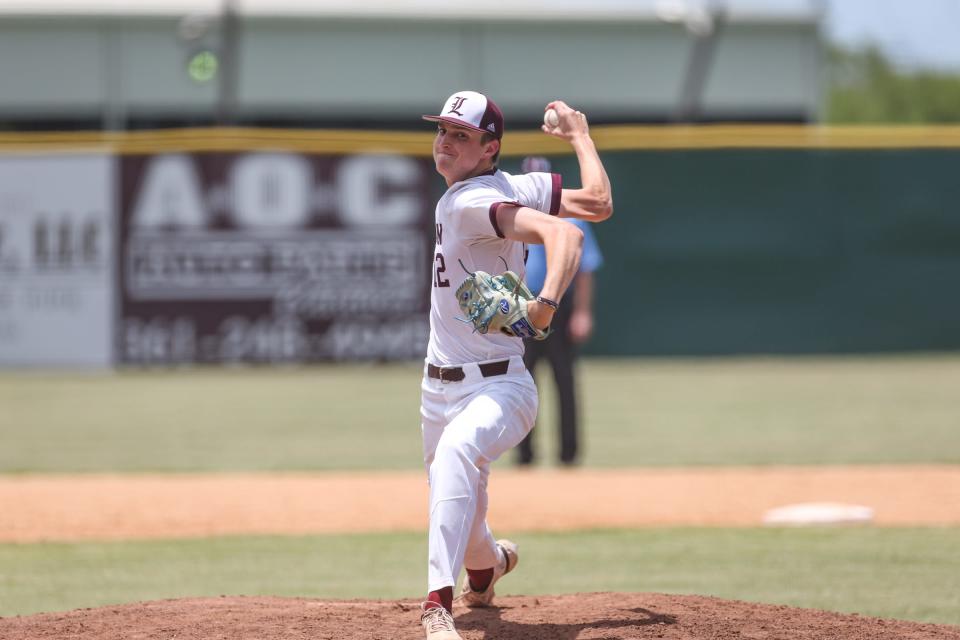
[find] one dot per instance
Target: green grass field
(636, 413)
(902, 573)
(857, 410)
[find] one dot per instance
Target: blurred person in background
(572, 326)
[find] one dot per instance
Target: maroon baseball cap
(472, 110)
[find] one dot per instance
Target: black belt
(456, 374)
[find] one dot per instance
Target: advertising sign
(56, 263)
(274, 258)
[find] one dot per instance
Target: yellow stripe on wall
(608, 138)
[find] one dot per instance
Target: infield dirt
(136, 506)
(595, 616)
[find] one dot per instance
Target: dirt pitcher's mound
(597, 616)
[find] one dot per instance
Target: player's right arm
(593, 201)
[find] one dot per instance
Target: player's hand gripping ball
(498, 303)
(551, 118)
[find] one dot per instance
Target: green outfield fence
(779, 251)
(725, 239)
(780, 240)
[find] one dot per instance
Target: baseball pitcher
(478, 400)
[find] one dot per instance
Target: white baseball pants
(467, 425)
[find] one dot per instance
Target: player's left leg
(481, 547)
(491, 418)
(486, 559)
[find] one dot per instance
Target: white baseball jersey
(467, 231)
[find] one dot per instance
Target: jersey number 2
(441, 266)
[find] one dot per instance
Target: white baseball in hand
(551, 119)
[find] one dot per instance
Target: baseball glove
(498, 303)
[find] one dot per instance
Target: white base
(818, 513)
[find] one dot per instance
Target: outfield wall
(263, 246)
(780, 251)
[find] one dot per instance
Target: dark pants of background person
(560, 351)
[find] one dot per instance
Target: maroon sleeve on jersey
(557, 183)
(493, 215)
